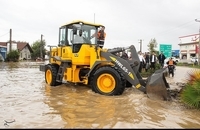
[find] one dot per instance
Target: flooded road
(27, 102)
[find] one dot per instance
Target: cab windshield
(77, 34)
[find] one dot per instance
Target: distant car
(193, 59)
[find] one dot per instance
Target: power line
(4, 34)
(175, 28)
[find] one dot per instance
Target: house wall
(14, 47)
(25, 54)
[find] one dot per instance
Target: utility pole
(199, 44)
(41, 47)
(140, 45)
(10, 40)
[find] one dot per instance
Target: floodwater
(27, 102)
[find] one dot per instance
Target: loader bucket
(157, 86)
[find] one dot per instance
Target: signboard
(189, 38)
(166, 49)
(175, 53)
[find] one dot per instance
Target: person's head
(102, 28)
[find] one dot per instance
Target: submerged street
(27, 102)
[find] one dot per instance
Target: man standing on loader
(101, 35)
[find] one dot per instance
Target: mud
(27, 102)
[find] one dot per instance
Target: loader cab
(78, 33)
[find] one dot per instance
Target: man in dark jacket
(147, 59)
(124, 55)
(153, 59)
(161, 59)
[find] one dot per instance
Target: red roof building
(23, 47)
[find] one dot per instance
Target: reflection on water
(26, 98)
(79, 107)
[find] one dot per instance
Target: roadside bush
(190, 95)
(13, 56)
(150, 72)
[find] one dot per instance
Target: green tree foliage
(36, 49)
(152, 45)
(13, 56)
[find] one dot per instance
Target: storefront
(189, 46)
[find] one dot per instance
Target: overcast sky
(126, 21)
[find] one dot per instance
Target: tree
(13, 55)
(36, 49)
(152, 45)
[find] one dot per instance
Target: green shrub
(190, 94)
(150, 72)
(13, 56)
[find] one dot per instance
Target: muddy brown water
(27, 102)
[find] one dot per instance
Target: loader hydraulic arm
(128, 67)
(116, 50)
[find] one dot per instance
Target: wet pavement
(27, 102)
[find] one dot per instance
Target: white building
(189, 46)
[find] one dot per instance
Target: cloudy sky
(126, 21)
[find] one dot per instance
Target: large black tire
(50, 75)
(128, 84)
(171, 70)
(108, 81)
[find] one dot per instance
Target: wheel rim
(48, 76)
(106, 83)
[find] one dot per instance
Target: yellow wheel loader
(78, 59)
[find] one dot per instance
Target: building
(23, 47)
(3, 51)
(189, 46)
